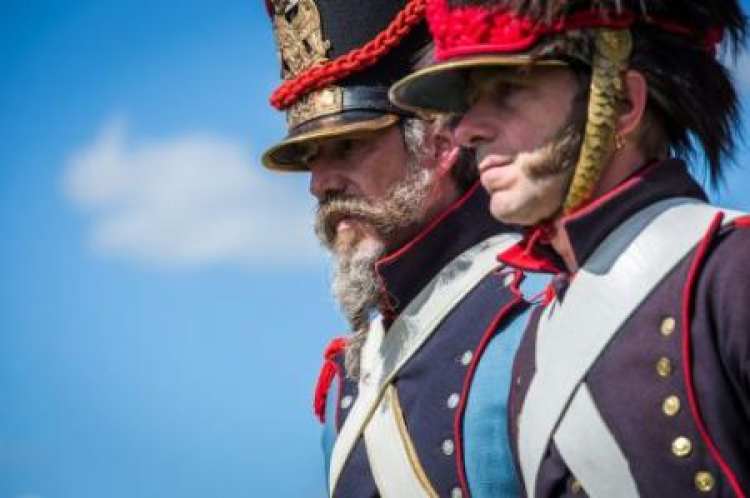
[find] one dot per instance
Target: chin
(523, 212)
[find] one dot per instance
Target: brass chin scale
(612, 50)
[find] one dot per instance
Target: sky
(163, 302)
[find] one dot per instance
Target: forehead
(376, 140)
(488, 79)
(364, 137)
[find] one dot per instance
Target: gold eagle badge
(299, 35)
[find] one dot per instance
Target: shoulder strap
(393, 460)
(384, 354)
(606, 290)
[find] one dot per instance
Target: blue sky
(163, 304)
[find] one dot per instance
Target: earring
(619, 141)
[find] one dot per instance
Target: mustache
(335, 207)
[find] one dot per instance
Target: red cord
(322, 75)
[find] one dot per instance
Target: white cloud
(188, 200)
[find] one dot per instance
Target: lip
(344, 223)
(492, 163)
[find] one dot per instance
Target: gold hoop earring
(619, 141)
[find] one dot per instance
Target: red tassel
(327, 373)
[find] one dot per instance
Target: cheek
(383, 172)
(522, 138)
(529, 202)
(546, 196)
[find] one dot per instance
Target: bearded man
(635, 378)
(418, 406)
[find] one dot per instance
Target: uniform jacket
(453, 392)
(673, 386)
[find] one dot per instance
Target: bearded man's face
(369, 188)
(374, 195)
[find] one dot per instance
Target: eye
(505, 94)
(308, 156)
(346, 147)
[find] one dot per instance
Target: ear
(445, 149)
(637, 95)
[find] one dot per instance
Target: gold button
(704, 481)
(667, 326)
(576, 487)
(682, 447)
(664, 367)
(671, 406)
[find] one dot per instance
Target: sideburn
(561, 153)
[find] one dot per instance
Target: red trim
(742, 221)
(416, 240)
(606, 197)
(687, 312)
(522, 255)
(515, 285)
(475, 30)
(549, 294)
(329, 370)
(458, 421)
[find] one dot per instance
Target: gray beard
(355, 283)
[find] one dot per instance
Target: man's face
(373, 194)
(369, 188)
(526, 132)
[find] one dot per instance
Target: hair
(677, 70)
(464, 171)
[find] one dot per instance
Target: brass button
(668, 326)
(671, 406)
(664, 367)
(682, 447)
(704, 481)
(576, 487)
(467, 357)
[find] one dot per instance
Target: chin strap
(611, 54)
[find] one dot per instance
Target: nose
(474, 128)
(325, 178)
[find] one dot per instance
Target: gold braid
(611, 53)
